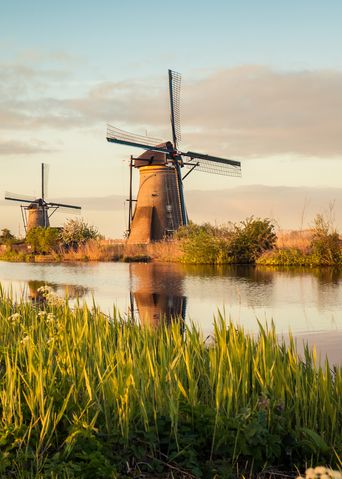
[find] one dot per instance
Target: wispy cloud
(14, 147)
(243, 112)
(253, 110)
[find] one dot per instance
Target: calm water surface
(307, 302)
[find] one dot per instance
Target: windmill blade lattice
(19, 197)
(175, 79)
(68, 210)
(45, 178)
(114, 133)
(63, 205)
(207, 166)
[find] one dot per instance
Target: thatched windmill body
(160, 206)
(37, 211)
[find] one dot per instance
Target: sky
(261, 83)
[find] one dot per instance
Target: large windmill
(160, 206)
(38, 211)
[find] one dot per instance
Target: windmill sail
(63, 205)
(21, 198)
(116, 135)
(45, 178)
(213, 164)
(160, 206)
(74, 210)
(36, 213)
(174, 93)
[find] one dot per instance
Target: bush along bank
(48, 244)
(239, 243)
(324, 249)
(252, 241)
(84, 396)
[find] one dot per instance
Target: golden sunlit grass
(294, 240)
(111, 250)
(95, 250)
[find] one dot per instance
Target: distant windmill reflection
(36, 290)
(157, 293)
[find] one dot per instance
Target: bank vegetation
(252, 241)
(84, 396)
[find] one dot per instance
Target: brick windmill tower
(160, 206)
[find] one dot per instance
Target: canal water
(307, 302)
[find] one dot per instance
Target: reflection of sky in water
(297, 300)
(299, 303)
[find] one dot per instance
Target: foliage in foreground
(237, 243)
(85, 396)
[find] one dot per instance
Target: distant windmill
(160, 207)
(38, 211)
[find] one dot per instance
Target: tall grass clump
(94, 250)
(86, 396)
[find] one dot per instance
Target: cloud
(255, 111)
(241, 112)
(14, 147)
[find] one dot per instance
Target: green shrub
(250, 239)
(192, 230)
(325, 243)
(286, 257)
(239, 243)
(6, 237)
(325, 249)
(43, 240)
(204, 247)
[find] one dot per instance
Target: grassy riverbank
(82, 396)
(253, 241)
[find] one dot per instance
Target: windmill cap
(150, 157)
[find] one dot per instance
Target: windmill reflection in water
(157, 297)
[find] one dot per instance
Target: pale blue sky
(268, 73)
(120, 37)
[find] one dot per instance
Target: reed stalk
(81, 392)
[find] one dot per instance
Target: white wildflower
(321, 472)
(335, 474)
(25, 339)
(14, 318)
(54, 300)
(44, 289)
(50, 318)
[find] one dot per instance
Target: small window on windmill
(169, 218)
